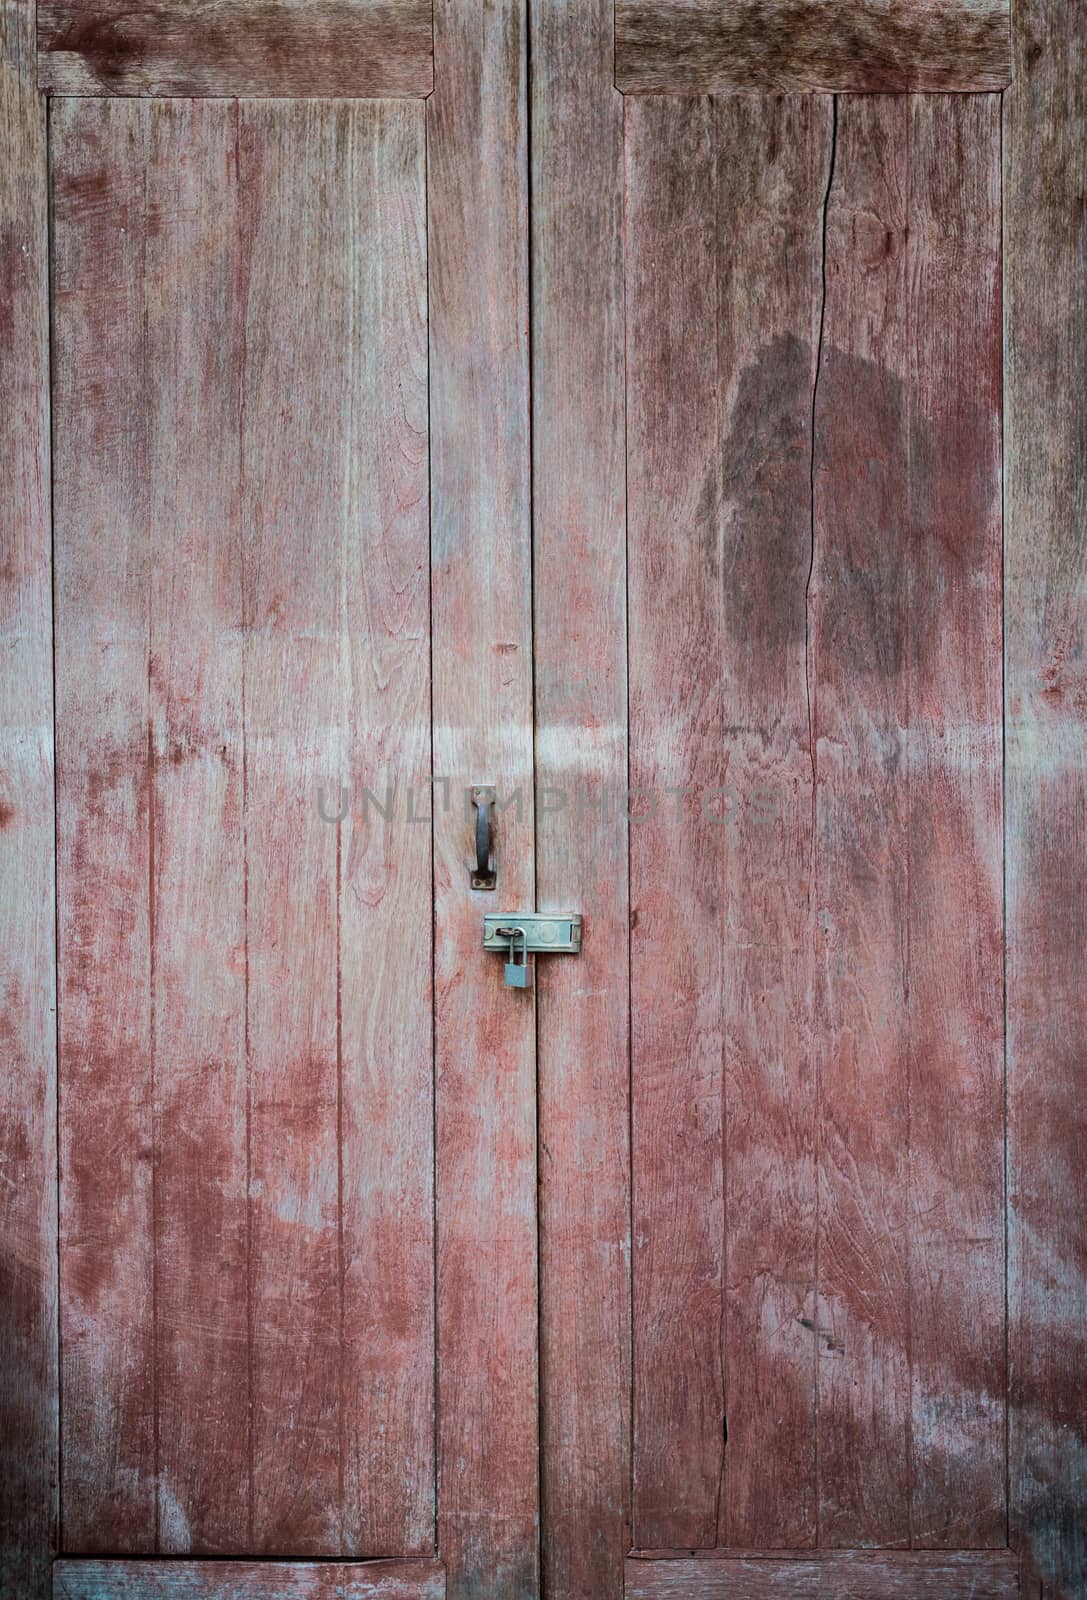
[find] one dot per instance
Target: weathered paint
(825, 1575)
(248, 1580)
(724, 274)
(1045, 251)
(28, 1215)
(579, 587)
(247, 1242)
(815, 605)
(485, 1035)
(236, 47)
(713, 46)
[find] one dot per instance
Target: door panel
(242, 614)
(816, 984)
(692, 473)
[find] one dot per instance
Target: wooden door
(664, 412)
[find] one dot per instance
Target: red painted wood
(246, 1165)
(340, 1314)
(481, 596)
(676, 726)
(237, 47)
(858, 643)
(906, 636)
(248, 1580)
(847, 939)
(770, 216)
(28, 1157)
(956, 1020)
(724, 267)
(579, 585)
(1045, 171)
(825, 1575)
(386, 900)
(102, 589)
(196, 863)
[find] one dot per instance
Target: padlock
(518, 973)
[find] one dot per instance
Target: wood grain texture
(771, 186)
(196, 845)
(1045, 252)
(724, 265)
(827, 1575)
(482, 697)
(339, 937)
(708, 46)
(815, 612)
(103, 715)
(28, 1157)
(248, 1580)
(905, 608)
(236, 47)
(676, 730)
(956, 920)
(579, 529)
(858, 635)
(242, 611)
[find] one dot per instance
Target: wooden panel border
(824, 1575)
(708, 46)
(359, 49)
(248, 1580)
(28, 1160)
(1045, 653)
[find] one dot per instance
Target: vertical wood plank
(196, 863)
(103, 576)
(956, 1021)
(676, 733)
(581, 761)
(774, 157)
(333, 471)
(724, 264)
(482, 707)
(857, 668)
(1045, 246)
(28, 1156)
(386, 909)
(293, 711)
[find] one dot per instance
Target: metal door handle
(483, 875)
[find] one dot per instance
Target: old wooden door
(634, 406)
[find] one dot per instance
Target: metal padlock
(518, 973)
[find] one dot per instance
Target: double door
(507, 399)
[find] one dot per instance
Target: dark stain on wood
(238, 47)
(673, 46)
(765, 468)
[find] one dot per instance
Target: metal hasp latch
(524, 933)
